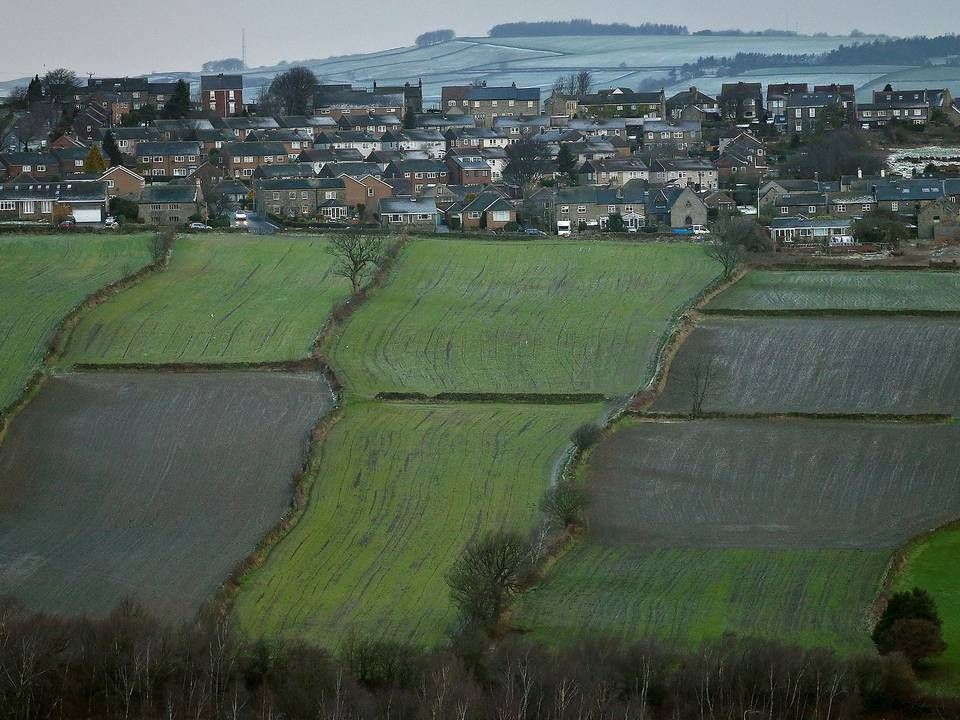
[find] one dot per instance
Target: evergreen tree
(94, 162)
(35, 90)
(112, 150)
(911, 625)
(567, 164)
(179, 103)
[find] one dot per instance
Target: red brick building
(222, 94)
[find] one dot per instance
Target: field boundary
(877, 418)
(826, 312)
(494, 397)
(57, 344)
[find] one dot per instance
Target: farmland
(43, 279)
(398, 490)
(772, 513)
(152, 486)
(223, 299)
(820, 364)
(550, 317)
(894, 290)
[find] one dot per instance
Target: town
(802, 160)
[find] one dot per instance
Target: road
(255, 224)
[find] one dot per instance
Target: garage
(87, 215)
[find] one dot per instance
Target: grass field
(398, 491)
(42, 278)
(546, 317)
(845, 290)
(781, 530)
(810, 597)
(931, 563)
(223, 299)
(147, 485)
(897, 365)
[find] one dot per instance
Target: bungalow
(408, 211)
(351, 168)
(322, 198)
(168, 204)
(802, 230)
(487, 211)
(908, 197)
(27, 199)
(181, 128)
(428, 141)
(177, 158)
(596, 127)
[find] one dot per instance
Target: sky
(126, 37)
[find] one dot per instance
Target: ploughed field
(223, 299)
(895, 365)
(849, 290)
(42, 278)
(397, 491)
(151, 486)
(780, 529)
(516, 317)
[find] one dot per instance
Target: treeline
(582, 27)
(736, 32)
(129, 666)
(434, 36)
(887, 51)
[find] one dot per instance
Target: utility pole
(243, 46)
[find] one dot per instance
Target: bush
(122, 208)
(565, 503)
(585, 436)
(911, 625)
(377, 663)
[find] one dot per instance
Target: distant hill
(581, 27)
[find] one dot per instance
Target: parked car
(67, 223)
(534, 232)
(111, 223)
(241, 217)
(199, 226)
(700, 230)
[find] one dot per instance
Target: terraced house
(486, 104)
(242, 159)
(222, 94)
(419, 173)
(624, 102)
(581, 208)
(177, 158)
(805, 112)
(322, 198)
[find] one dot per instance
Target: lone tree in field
(565, 503)
(356, 253)
(490, 573)
(910, 625)
(731, 239)
(703, 378)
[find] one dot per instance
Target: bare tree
(59, 83)
(356, 253)
(293, 90)
(583, 80)
(703, 385)
(730, 240)
(525, 162)
(565, 503)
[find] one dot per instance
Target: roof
(781, 223)
(406, 205)
(691, 97)
(621, 98)
(340, 96)
(418, 165)
(802, 198)
(355, 169)
(221, 82)
(920, 189)
(661, 126)
(312, 183)
(468, 163)
(28, 158)
(249, 123)
(73, 191)
(812, 99)
(302, 121)
(162, 194)
(509, 92)
(285, 170)
(169, 147)
(486, 201)
(776, 90)
(257, 149)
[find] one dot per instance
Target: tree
(292, 91)
(525, 162)
(488, 575)
(355, 254)
(615, 223)
(567, 165)
(832, 154)
(582, 82)
(94, 162)
(434, 36)
(144, 116)
(703, 376)
(881, 227)
(59, 83)
(911, 625)
(224, 66)
(729, 242)
(35, 90)
(110, 147)
(565, 503)
(178, 106)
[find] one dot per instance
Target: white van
(563, 227)
(700, 230)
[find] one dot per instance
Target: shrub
(585, 436)
(565, 503)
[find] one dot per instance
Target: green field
(810, 597)
(42, 278)
(843, 290)
(398, 490)
(223, 299)
(931, 563)
(550, 317)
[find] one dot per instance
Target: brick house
(487, 211)
(167, 204)
(365, 192)
(41, 165)
(222, 94)
(242, 159)
(468, 170)
(420, 173)
(176, 158)
(28, 199)
(122, 182)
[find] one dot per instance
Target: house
(182, 128)
(624, 102)
(364, 194)
(90, 121)
(743, 156)
(321, 198)
(846, 93)
(407, 211)
(294, 142)
(777, 94)
(805, 112)
(741, 102)
(908, 197)
(29, 199)
(442, 122)
(40, 165)
(225, 196)
(337, 99)
(853, 205)
(486, 104)
(801, 203)
(685, 172)
(212, 141)
(675, 207)
(718, 202)
(308, 125)
(122, 182)
(465, 169)
(222, 94)
(773, 189)
(596, 127)
(691, 98)
(487, 211)
(364, 143)
(428, 141)
(421, 173)
(412, 95)
(803, 230)
(242, 159)
(71, 161)
(369, 123)
(934, 218)
(582, 208)
(284, 170)
(474, 138)
(521, 125)
(127, 138)
(613, 171)
(908, 106)
(167, 204)
(243, 126)
(172, 158)
(353, 169)
(676, 138)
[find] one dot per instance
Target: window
(329, 195)
(784, 210)
(841, 208)
(158, 158)
(247, 172)
(276, 196)
(179, 158)
(812, 112)
(811, 208)
(191, 158)
(501, 216)
(423, 216)
(27, 168)
(895, 206)
(799, 127)
(304, 210)
(157, 172)
(369, 192)
(7, 205)
(46, 207)
(180, 172)
(529, 103)
(866, 207)
(292, 194)
(494, 103)
(564, 209)
(111, 184)
(628, 208)
(396, 217)
(236, 161)
(43, 168)
(512, 103)
(582, 209)
(474, 215)
(248, 158)
(28, 207)
(611, 209)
